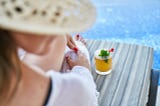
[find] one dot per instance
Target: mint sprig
(104, 53)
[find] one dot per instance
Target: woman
(29, 25)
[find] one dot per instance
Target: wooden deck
(128, 83)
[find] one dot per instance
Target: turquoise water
(131, 21)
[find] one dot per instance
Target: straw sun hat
(46, 16)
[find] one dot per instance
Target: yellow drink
(103, 65)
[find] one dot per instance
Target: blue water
(131, 21)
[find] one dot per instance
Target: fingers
(81, 60)
(80, 38)
(70, 42)
(69, 61)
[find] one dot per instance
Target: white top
(75, 88)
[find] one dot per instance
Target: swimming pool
(131, 21)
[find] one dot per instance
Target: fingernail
(77, 35)
(75, 49)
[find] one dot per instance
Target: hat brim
(78, 23)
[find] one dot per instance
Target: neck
(32, 89)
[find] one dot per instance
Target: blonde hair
(9, 64)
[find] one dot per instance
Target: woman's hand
(70, 42)
(80, 61)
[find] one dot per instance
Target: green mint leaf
(104, 53)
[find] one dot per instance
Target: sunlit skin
(49, 50)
